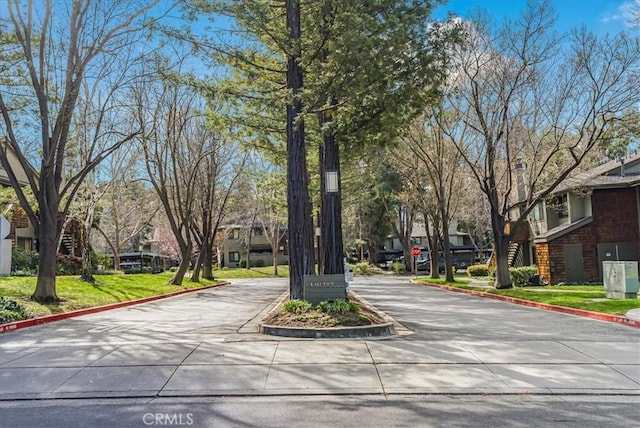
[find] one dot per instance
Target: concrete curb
(375, 330)
(572, 311)
(388, 328)
(16, 325)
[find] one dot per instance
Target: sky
(599, 16)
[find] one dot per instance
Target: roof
(607, 175)
(563, 229)
(12, 157)
(256, 224)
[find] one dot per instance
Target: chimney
(521, 167)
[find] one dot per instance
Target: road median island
(314, 323)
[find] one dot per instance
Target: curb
(16, 325)
(549, 307)
(384, 330)
(375, 330)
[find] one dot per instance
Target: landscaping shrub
(362, 268)
(242, 264)
(10, 311)
(343, 306)
(259, 263)
(324, 306)
(23, 260)
(520, 276)
(24, 272)
(297, 306)
(398, 267)
(478, 270)
(338, 306)
(101, 260)
(68, 265)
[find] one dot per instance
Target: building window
(234, 256)
(258, 231)
(235, 234)
(24, 243)
(537, 214)
(562, 206)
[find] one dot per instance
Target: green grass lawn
(114, 288)
(254, 272)
(80, 295)
(459, 280)
(588, 297)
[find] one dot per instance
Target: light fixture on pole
(318, 253)
(331, 182)
(332, 187)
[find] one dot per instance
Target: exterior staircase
(515, 254)
(67, 244)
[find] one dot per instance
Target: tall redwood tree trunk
(299, 212)
(330, 207)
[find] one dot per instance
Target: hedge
(478, 270)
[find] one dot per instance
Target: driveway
(206, 344)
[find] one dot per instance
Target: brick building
(22, 233)
(591, 218)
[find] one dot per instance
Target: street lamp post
(319, 253)
(332, 187)
(140, 248)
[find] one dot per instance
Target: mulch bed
(317, 319)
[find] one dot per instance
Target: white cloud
(627, 12)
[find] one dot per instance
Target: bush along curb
(572, 311)
(16, 325)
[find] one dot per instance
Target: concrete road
(459, 358)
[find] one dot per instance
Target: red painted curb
(16, 325)
(549, 307)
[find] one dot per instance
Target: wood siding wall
(615, 219)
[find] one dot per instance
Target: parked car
(423, 263)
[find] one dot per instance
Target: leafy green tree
(356, 102)
(362, 102)
(366, 223)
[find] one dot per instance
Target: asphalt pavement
(206, 345)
